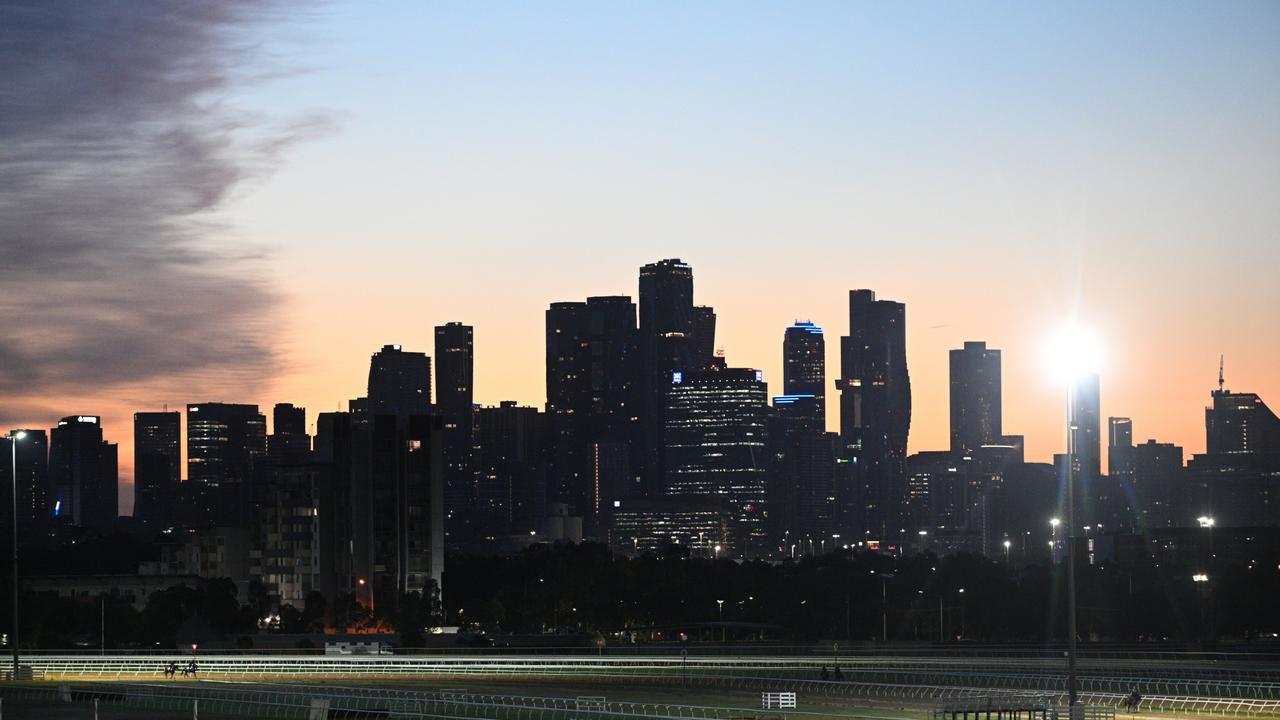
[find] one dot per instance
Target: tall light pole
(14, 437)
(1074, 355)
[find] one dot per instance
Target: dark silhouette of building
(1237, 480)
(289, 439)
(157, 466)
(592, 406)
(704, 334)
(975, 397)
(226, 446)
(1240, 423)
(396, 480)
(510, 468)
(875, 414)
(296, 549)
(32, 462)
(1120, 447)
(716, 446)
(455, 374)
(1151, 484)
(802, 474)
(83, 472)
(804, 367)
(666, 345)
(399, 383)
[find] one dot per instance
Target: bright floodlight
(1054, 522)
(1205, 521)
(1073, 353)
(19, 435)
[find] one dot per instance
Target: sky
(242, 202)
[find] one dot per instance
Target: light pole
(14, 437)
(1075, 354)
(884, 604)
(1007, 545)
(1053, 540)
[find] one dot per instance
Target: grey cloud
(116, 150)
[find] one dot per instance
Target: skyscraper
(289, 438)
(975, 397)
(592, 404)
(1240, 423)
(1086, 432)
(226, 444)
(875, 413)
(1120, 448)
(715, 446)
(83, 472)
(804, 366)
(511, 484)
(455, 367)
(399, 383)
(157, 469)
(32, 460)
(455, 371)
(1237, 480)
(704, 335)
(399, 525)
(666, 345)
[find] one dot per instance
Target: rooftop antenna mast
(1221, 381)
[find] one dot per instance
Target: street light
(1072, 355)
(14, 437)
(1007, 545)
(1206, 521)
(362, 584)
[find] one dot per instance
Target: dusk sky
(243, 202)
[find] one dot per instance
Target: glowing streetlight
(1008, 544)
(14, 437)
(1206, 521)
(1072, 354)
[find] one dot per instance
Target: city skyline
(1001, 171)
(926, 408)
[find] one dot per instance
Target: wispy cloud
(117, 149)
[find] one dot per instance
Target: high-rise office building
(399, 383)
(510, 468)
(1237, 480)
(1120, 448)
(592, 405)
(294, 549)
(975, 397)
(83, 472)
(666, 342)
(804, 366)
(398, 527)
(32, 460)
(455, 372)
(1086, 432)
(157, 466)
(704, 335)
(455, 367)
(716, 446)
(875, 413)
(1240, 423)
(802, 473)
(1155, 474)
(289, 439)
(226, 446)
